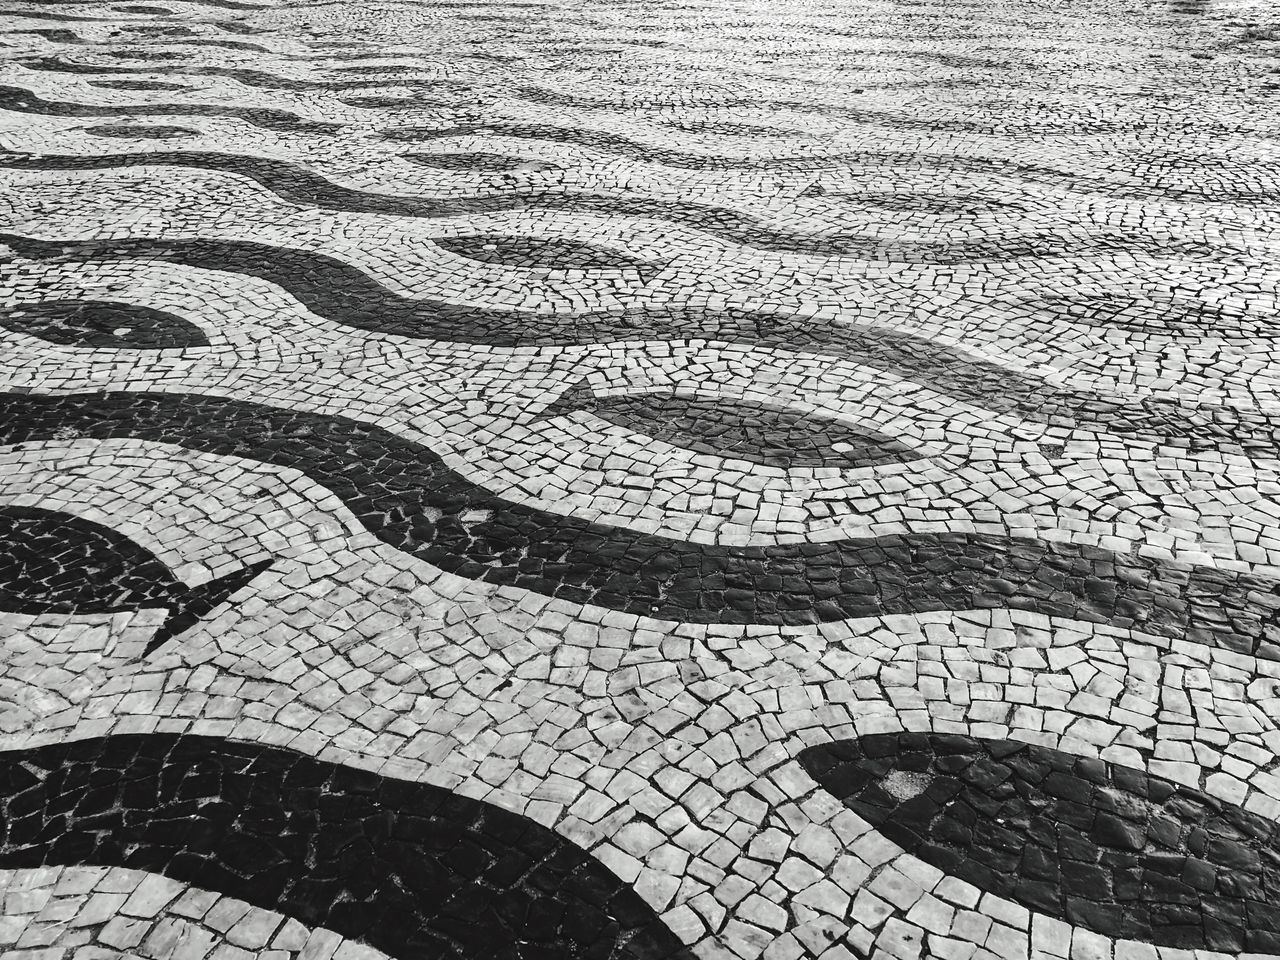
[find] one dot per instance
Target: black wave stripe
(346, 295)
(1124, 853)
(936, 204)
(650, 153)
(141, 131)
(612, 143)
(154, 55)
(408, 868)
(299, 185)
(1068, 180)
(137, 85)
(405, 495)
(550, 253)
(226, 4)
(157, 30)
(245, 75)
(102, 323)
(56, 17)
(193, 40)
(416, 101)
(998, 126)
(728, 129)
(478, 162)
(24, 101)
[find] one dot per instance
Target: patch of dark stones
(1110, 848)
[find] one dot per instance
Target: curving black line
(138, 85)
(612, 143)
(549, 253)
(56, 17)
(999, 126)
(228, 4)
(1072, 181)
(20, 100)
(194, 40)
(245, 75)
(624, 146)
(153, 55)
(299, 185)
(411, 869)
(141, 131)
(345, 294)
(478, 162)
(405, 495)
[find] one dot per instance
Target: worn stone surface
(565, 480)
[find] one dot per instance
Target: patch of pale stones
(113, 913)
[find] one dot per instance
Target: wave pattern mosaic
(702, 480)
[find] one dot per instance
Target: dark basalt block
(405, 494)
(770, 435)
(99, 323)
(53, 562)
(550, 253)
(1115, 850)
(411, 869)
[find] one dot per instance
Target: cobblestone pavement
(563, 480)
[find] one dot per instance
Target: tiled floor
(592, 480)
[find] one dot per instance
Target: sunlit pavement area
(620, 481)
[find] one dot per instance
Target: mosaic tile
(497, 479)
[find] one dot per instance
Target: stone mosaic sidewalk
(550, 480)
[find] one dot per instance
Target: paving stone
(703, 481)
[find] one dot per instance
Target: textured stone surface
(751, 482)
